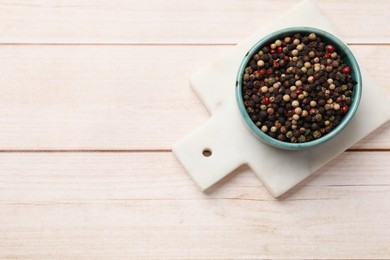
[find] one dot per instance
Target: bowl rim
(357, 91)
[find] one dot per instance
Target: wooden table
(94, 93)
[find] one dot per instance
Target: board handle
(208, 154)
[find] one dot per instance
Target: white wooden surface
(94, 93)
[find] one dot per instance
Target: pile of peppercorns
(297, 89)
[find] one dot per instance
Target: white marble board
(231, 142)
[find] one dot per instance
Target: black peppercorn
(295, 89)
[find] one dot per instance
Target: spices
(297, 89)
(295, 103)
(346, 70)
(260, 63)
(329, 48)
(312, 36)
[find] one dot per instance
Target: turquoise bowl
(347, 57)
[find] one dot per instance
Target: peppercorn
(295, 117)
(298, 110)
(312, 36)
(344, 109)
(295, 103)
(286, 98)
(281, 137)
(346, 70)
(293, 87)
(316, 134)
(330, 48)
(293, 95)
(301, 139)
(318, 117)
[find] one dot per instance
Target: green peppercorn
(291, 90)
(301, 139)
(316, 134)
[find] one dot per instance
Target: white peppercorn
(260, 63)
(295, 103)
(298, 110)
(312, 36)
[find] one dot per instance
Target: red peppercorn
(299, 91)
(327, 55)
(262, 83)
(290, 113)
(265, 101)
(286, 58)
(339, 99)
(269, 71)
(276, 64)
(346, 70)
(279, 49)
(262, 72)
(329, 48)
(344, 109)
(272, 51)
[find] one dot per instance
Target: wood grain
(174, 21)
(144, 206)
(111, 78)
(117, 97)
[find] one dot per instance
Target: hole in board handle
(207, 152)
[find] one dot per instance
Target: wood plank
(173, 21)
(143, 206)
(117, 97)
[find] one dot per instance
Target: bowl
(347, 57)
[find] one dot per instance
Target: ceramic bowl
(347, 57)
